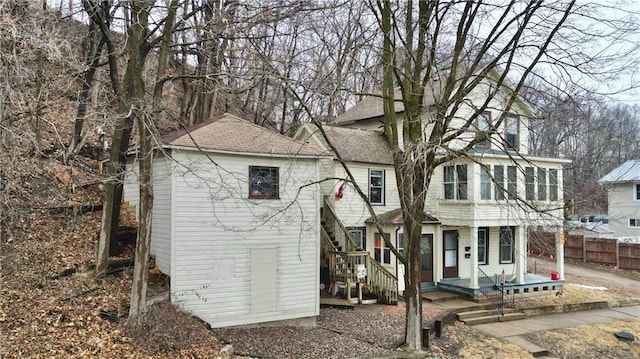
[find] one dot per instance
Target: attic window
(484, 127)
(264, 182)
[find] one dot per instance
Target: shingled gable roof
(233, 134)
(372, 106)
(395, 217)
(358, 145)
(627, 172)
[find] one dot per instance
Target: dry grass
(590, 341)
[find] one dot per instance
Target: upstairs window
(542, 184)
(530, 183)
(553, 184)
(264, 182)
(483, 124)
(455, 182)
(376, 187)
(485, 183)
(381, 253)
(498, 177)
(511, 133)
(512, 182)
(637, 197)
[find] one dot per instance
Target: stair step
(437, 297)
(494, 318)
(462, 316)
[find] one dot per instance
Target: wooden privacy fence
(592, 250)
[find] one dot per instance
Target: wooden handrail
(350, 245)
(343, 267)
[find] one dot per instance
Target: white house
(479, 207)
(623, 189)
(236, 222)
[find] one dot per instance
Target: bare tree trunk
(130, 102)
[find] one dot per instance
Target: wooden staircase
(350, 267)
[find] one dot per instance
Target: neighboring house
(236, 222)
(473, 227)
(623, 188)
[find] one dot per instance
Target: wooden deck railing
(343, 267)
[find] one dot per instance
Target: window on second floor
(455, 182)
(637, 190)
(483, 124)
(512, 182)
(485, 183)
(553, 184)
(376, 186)
(498, 177)
(264, 182)
(511, 132)
(381, 253)
(530, 183)
(542, 184)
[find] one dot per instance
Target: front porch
(533, 283)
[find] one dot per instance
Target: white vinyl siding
(161, 221)
(221, 238)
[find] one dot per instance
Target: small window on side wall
(264, 182)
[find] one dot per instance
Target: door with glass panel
(426, 259)
(450, 253)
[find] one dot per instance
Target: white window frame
(377, 173)
(382, 253)
(553, 185)
(460, 189)
(634, 222)
(541, 180)
(485, 183)
(506, 242)
(485, 245)
(483, 124)
(530, 183)
(362, 231)
(509, 122)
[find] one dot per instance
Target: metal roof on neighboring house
(227, 132)
(358, 145)
(627, 172)
(395, 217)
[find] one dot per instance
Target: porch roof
(395, 217)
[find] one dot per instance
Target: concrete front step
(494, 318)
(437, 297)
(482, 312)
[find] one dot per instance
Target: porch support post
(521, 254)
(473, 281)
(560, 252)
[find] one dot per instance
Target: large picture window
(264, 182)
(507, 237)
(381, 253)
(376, 187)
(455, 182)
(483, 245)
